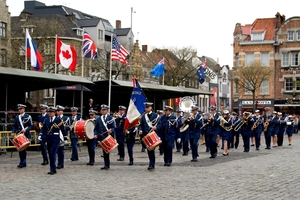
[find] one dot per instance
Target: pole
(81, 102)
(55, 71)
(82, 55)
(26, 49)
(110, 68)
(131, 41)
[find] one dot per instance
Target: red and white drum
(21, 142)
(151, 140)
(84, 129)
(108, 144)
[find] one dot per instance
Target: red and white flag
(66, 55)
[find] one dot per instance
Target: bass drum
(84, 129)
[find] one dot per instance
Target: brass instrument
(223, 120)
(185, 105)
(116, 115)
(208, 121)
(266, 124)
(241, 123)
(184, 127)
(255, 124)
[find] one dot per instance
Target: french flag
(32, 53)
(136, 106)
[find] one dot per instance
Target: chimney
(118, 24)
(278, 19)
(282, 19)
(144, 48)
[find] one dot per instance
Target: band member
(185, 135)
(204, 130)
(257, 128)
(64, 137)
(158, 132)
(74, 140)
(119, 130)
(275, 128)
(130, 141)
(42, 138)
(246, 130)
(194, 132)
(282, 126)
(147, 124)
(290, 128)
(51, 128)
(168, 125)
(179, 121)
(226, 124)
(22, 125)
(235, 134)
(91, 143)
(268, 128)
(104, 126)
(213, 130)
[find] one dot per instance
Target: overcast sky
(204, 25)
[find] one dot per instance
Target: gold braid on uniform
(56, 125)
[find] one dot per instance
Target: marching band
(169, 131)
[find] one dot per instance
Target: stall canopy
(77, 87)
(121, 92)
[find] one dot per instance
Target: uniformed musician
(226, 124)
(91, 143)
(194, 131)
(246, 130)
(74, 140)
(52, 127)
(185, 135)
(64, 137)
(104, 126)
(235, 140)
(130, 141)
(290, 128)
(169, 128)
(213, 131)
(119, 130)
(203, 130)
(42, 138)
(147, 124)
(22, 125)
(179, 121)
(257, 128)
(282, 126)
(158, 132)
(268, 119)
(275, 128)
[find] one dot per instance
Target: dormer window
(258, 35)
(290, 35)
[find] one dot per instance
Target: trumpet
(116, 115)
(184, 127)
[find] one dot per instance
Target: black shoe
(167, 164)
(194, 160)
(151, 167)
(21, 166)
(178, 150)
(90, 163)
(257, 149)
(185, 154)
(143, 150)
(130, 163)
(213, 156)
(161, 154)
(60, 167)
(225, 154)
(207, 150)
(120, 159)
(73, 159)
(104, 168)
(51, 173)
(45, 163)
(246, 151)
(252, 145)
(267, 148)
(290, 144)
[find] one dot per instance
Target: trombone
(241, 123)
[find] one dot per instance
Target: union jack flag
(118, 52)
(88, 47)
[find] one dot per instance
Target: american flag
(88, 47)
(118, 52)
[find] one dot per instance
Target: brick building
(5, 45)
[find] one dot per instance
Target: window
(285, 59)
(298, 35)
(265, 59)
(236, 86)
(47, 48)
(249, 59)
(248, 86)
(3, 29)
(79, 32)
(224, 77)
(100, 34)
(264, 87)
(290, 35)
(288, 84)
(298, 83)
(236, 59)
(295, 58)
(48, 93)
(257, 37)
(3, 57)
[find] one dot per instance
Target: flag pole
(163, 81)
(26, 30)
(82, 59)
(110, 68)
(55, 70)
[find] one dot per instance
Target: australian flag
(201, 72)
(88, 47)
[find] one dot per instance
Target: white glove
(66, 141)
(178, 140)
(40, 138)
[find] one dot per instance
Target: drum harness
(151, 123)
(104, 123)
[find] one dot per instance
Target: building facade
(5, 32)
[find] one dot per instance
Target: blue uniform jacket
(214, 125)
(226, 124)
(51, 131)
(70, 123)
(282, 125)
(100, 127)
(270, 126)
(247, 126)
(168, 125)
(153, 119)
(290, 128)
(194, 126)
(259, 124)
(26, 120)
(120, 124)
(41, 119)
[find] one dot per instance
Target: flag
(201, 72)
(118, 52)
(66, 55)
(159, 69)
(88, 47)
(36, 58)
(136, 105)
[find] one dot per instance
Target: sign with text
(260, 102)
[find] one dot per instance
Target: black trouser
(212, 141)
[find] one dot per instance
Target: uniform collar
(149, 113)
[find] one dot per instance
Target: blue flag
(201, 72)
(159, 69)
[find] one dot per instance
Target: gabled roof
(267, 24)
(122, 31)
(246, 29)
(88, 22)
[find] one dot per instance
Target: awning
(77, 87)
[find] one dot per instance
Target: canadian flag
(66, 55)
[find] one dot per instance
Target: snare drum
(84, 129)
(108, 144)
(21, 142)
(151, 140)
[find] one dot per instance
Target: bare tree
(250, 78)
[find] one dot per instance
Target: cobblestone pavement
(264, 174)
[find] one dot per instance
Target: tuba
(185, 105)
